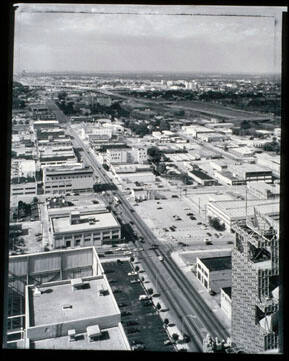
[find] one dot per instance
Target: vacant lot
(146, 326)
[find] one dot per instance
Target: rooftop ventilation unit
(66, 307)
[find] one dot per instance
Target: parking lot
(175, 222)
(140, 319)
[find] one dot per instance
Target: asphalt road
(194, 316)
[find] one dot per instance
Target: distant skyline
(130, 38)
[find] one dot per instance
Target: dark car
(132, 330)
(125, 313)
(131, 323)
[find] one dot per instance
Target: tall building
(255, 284)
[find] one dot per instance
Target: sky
(99, 38)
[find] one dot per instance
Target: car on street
(168, 342)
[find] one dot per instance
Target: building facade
(255, 285)
(80, 229)
(60, 180)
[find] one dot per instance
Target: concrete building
(231, 211)
(242, 151)
(51, 156)
(215, 272)
(66, 178)
(226, 177)
(127, 155)
(23, 188)
(270, 161)
(264, 190)
(211, 137)
(23, 168)
(226, 301)
(201, 177)
(62, 300)
(116, 156)
(255, 284)
(40, 124)
(251, 172)
(81, 229)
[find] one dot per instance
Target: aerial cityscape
(144, 200)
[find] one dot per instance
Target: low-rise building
(64, 179)
(215, 272)
(201, 177)
(83, 229)
(127, 155)
(226, 301)
(264, 190)
(67, 303)
(56, 156)
(23, 186)
(232, 211)
(212, 137)
(270, 161)
(252, 172)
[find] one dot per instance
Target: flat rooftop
(47, 308)
(237, 208)
(217, 263)
(102, 220)
(114, 341)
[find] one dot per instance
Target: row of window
(68, 177)
(106, 235)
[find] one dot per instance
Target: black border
(7, 22)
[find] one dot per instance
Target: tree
(137, 268)
(166, 321)
(245, 124)
(35, 200)
(131, 259)
(158, 306)
(161, 168)
(155, 154)
(164, 125)
(62, 95)
(150, 291)
(175, 337)
(215, 223)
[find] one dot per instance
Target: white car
(161, 258)
(132, 274)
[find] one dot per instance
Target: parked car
(131, 323)
(167, 342)
(122, 304)
(125, 313)
(132, 330)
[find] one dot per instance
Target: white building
(215, 272)
(127, 155)
(226, 301)
(64, 179)
(82, 229)
(231, 211)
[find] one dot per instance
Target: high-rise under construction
(255, 284)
